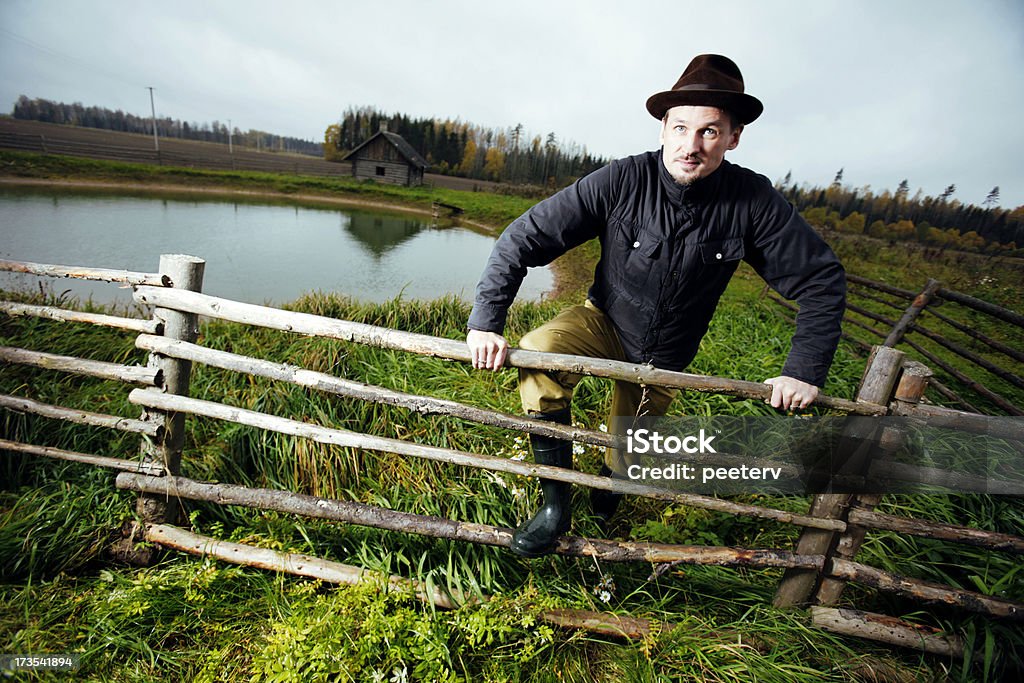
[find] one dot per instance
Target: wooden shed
(387, 158)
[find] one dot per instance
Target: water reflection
(379, 234)
(254, 252)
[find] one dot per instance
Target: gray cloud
(918, 90)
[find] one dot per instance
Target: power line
(64, 57)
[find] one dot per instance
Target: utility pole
(152, 108)
(231, 149)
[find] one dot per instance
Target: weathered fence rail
(923, 304)
(822, 563)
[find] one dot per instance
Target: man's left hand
(790, 393)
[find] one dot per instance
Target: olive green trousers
(586, 331)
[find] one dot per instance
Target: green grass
(189, 618)
(193, 619)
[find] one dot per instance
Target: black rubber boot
(604, 503)
(538, 535)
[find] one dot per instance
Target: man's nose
(689, 142)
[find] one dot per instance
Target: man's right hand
(486, 349)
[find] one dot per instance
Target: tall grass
(192, 619)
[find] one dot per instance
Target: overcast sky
(924, 90)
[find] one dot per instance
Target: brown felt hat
(709, 81)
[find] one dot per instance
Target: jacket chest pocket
(721, 252)
(633, 258)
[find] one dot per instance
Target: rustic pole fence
(1012, 353)
(185, 273)
(924, 302)
(52, 313)
(426, 405)
(900, 329)
(920, 301)
(437, 527)
(815, 571)
(797, 586)
(910, 388)
(450, 349)
(340, 437)
(939, 387)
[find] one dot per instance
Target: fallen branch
(290, 563)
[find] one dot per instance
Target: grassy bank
(496, 210)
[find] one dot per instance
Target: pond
(255, 251)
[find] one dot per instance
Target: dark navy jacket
(667, 254)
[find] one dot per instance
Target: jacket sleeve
(542, 234)
(797, 263)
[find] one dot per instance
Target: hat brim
(746, 107)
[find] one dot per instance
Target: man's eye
(680, 129)
(710, 133)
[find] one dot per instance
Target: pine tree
(992, 199)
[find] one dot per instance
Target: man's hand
(788, 393)
(486, 349)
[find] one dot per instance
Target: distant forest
(463, 149)
(509, 156)
(941, 221)
(100, 117)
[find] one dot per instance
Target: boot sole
(531, 554)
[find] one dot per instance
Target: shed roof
(399, 143)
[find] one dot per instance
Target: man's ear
(735, 140)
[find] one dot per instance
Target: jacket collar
(678, 194)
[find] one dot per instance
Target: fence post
(912, 383)
(914, 310)
(184, 272)
(797, 586)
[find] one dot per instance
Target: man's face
(694, 141)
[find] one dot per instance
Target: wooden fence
(816, 571)
(908, 331)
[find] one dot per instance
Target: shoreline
(213, 191)
(561, 269)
